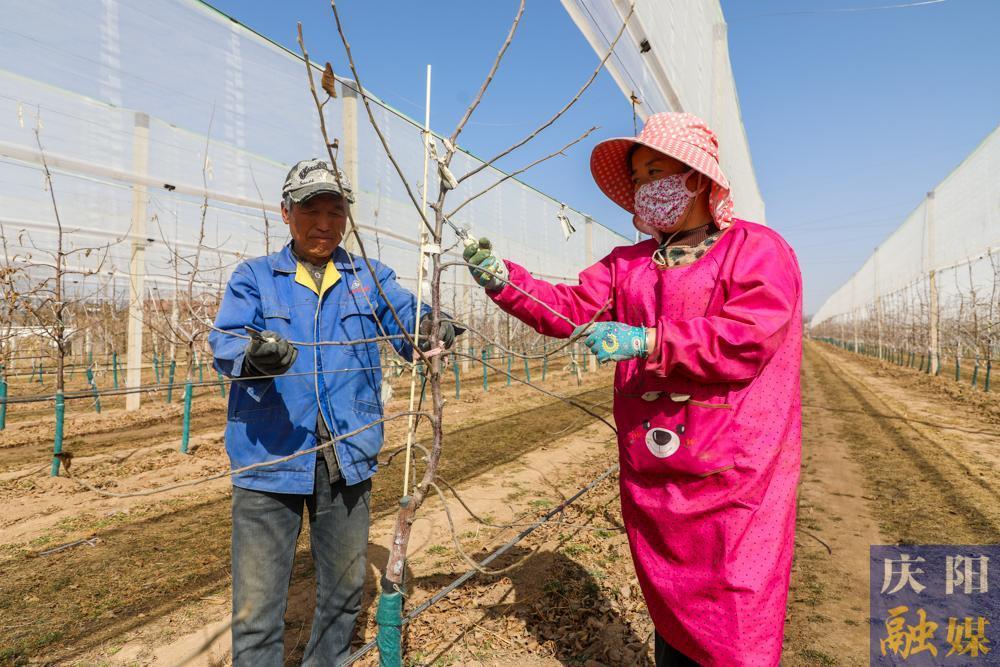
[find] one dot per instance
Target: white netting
(954, 232)
(685, 68)
(90, 77)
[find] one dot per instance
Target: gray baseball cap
(313, 177)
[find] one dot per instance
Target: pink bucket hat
(682, 136)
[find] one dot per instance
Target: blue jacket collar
(284, 261)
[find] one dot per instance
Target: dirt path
(572, 601)
(159, 556)
(889, 456)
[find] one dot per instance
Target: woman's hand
(615, 341)
(480, 253)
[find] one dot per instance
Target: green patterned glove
(481, 254)
(614, 341)
(446, 334)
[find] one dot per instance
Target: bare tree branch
(512, 174)
(371, 116)
(565, 108)
(486, 82)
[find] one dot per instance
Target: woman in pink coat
(704, 321)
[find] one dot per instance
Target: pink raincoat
(709, 430)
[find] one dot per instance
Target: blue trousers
(266, 527)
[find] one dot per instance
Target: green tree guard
(156, 369)
(510, 358)
(527, 371)
(201, 372)
(486, 381)
(975, 372)
(390, 628)
(170, 381)
(57, 446)
(545, 359)
(93, 385)
(458, 376)
(114, 368)
(986, 380)
(3, 403)
(958, 369)
(222, 384)
(186, 433)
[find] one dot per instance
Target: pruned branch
(564, 109)
(561, 151)
(368, 109)
(486, 83)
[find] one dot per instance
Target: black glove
(269, 354)
(446, 334)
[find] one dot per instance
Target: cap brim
(302, 194)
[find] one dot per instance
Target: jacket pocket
(358, 320)
(674, 436)
(368, 408)
(277, 317)
(254, 414)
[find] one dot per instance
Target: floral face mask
(662, 204)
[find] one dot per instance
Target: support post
(348, 151)
(934, 361)
(137, 263)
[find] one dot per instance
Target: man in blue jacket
(293, 391)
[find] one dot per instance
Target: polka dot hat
(682, 136)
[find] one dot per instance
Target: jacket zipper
(316, 349)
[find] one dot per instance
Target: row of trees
(952, 319)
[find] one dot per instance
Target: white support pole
(137, 264)
(588, 239)
(348, 152)
(411, 426)
(878, 303)
(466, 311)
(720, 71)
(933, 342)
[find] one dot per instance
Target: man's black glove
(446, 334)
(269, 354)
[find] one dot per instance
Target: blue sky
(852, 116)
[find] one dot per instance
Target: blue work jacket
(272, 418)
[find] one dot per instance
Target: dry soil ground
(889, 455)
